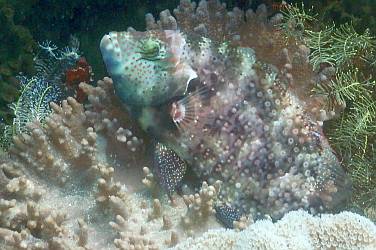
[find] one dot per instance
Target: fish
(170, 168)
(230, 116)
(227, 215)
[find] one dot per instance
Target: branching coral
(200, 206)
(61, 175)
(253, 126)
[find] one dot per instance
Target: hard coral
(296, 230)
(59, 177)
(45, 86)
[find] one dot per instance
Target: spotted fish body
(169, 167)
(227, 215)
(246, 128)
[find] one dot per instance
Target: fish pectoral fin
(169, 167)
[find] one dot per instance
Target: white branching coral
(200, 205)
(53, 178)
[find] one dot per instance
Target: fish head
(148, 68)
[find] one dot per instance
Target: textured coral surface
(81, 175)
(296, 230)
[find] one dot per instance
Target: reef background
(32, 21)
(68, 124)
(28, 22)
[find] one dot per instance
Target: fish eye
(150, 49)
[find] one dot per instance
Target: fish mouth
(109, 43)
(110, 50)
(106, 42)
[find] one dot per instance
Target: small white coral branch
(200, 205)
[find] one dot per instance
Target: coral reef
(52, 20)
(76, 184)
(80, 164)
(296, 230)
(53, 81)
(83, 178)
(24, 23)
